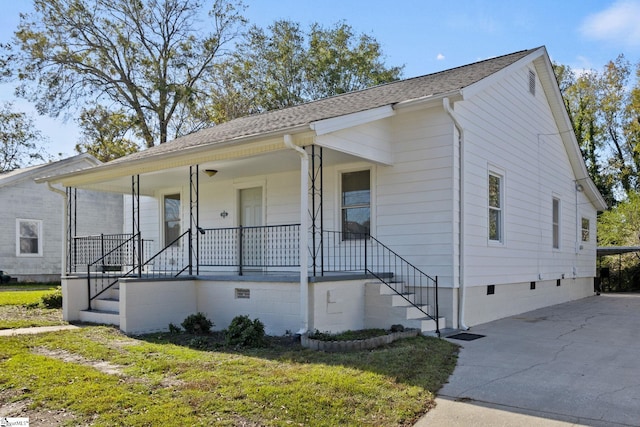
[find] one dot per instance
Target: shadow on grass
(424, 362)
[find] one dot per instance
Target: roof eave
(186, 156)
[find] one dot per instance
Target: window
(28, 237)
(556, 223)
(356, 204)
(171, 218)
(495, 208)
(585, 229)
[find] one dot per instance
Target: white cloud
(618, 23)
(440, 57)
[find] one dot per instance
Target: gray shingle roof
(335, 106)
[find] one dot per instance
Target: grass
(98, 376)
(14, 310)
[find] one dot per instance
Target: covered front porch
(261, 230)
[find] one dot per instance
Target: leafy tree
(18, 139)
(283, 66)
(604, 108)
(147, 56)
(620, 226)
(581, 97)
(105, 134)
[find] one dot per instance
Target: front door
(251, 220)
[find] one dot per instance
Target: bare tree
(147, 56)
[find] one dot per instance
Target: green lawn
(14, 312)
(99, 376)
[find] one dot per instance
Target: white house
(32, 219)
(449, 199)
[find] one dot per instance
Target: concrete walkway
(573, 364)
(35, 330)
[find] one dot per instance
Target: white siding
(509, 129)
(414, 197)
(96, 213)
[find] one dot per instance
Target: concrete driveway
(576, 363)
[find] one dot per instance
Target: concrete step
(106, 304)
(429, 325)
(100, 317)
(415, 313)
(387, 290)
(401, 301)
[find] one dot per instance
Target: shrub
(53, 299)
(197, 324)
(243, 332)
(173, 329)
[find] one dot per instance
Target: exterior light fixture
(224, 214)
(210, 172)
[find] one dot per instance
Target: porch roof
(267, 128)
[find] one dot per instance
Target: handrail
(108, 276)
(171, 246)
(353, 251)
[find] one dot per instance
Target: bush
(173, 329)
(53, 299)
(243, 332)
(197, 324)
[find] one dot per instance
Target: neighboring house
(32, 219)
(459, 196)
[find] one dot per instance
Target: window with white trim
(355, 204)
(496, 212)
(585, 229)
(28, 237)
(171, 210)
(556, 223)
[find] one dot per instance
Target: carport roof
(616, 250)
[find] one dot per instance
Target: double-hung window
(496, 211)
(28, 237)
(356, 204)
(171, 218)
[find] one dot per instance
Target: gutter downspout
(65, 225)
(304, 238)
(461, 254)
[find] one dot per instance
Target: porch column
(71, 229)
(135, 224)
(194, 219)
(304, 233)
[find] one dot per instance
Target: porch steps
(105, 309)
(387, 307)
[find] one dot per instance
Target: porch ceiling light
(210, 172)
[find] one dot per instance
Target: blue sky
(427, 35)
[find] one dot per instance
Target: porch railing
(357, 252)
(113, 250)
(261, 247)
(264, 247)
(171, 261)
(104, 272)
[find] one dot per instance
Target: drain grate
(465, 336)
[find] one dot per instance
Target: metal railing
(263, 247)
(358, 252)
(110, 249)
(104, 272)
(173, 260)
